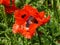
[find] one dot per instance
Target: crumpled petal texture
(34, 18)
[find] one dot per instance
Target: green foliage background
(51, 30)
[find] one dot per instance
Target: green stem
(23, 41)
(26, 41)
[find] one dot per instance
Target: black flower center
(30, 21)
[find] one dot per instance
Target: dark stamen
(35, 21)
(31, 19)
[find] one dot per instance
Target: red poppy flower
(27, 20)
(5, 2)
(9, 8)
(39, 16)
